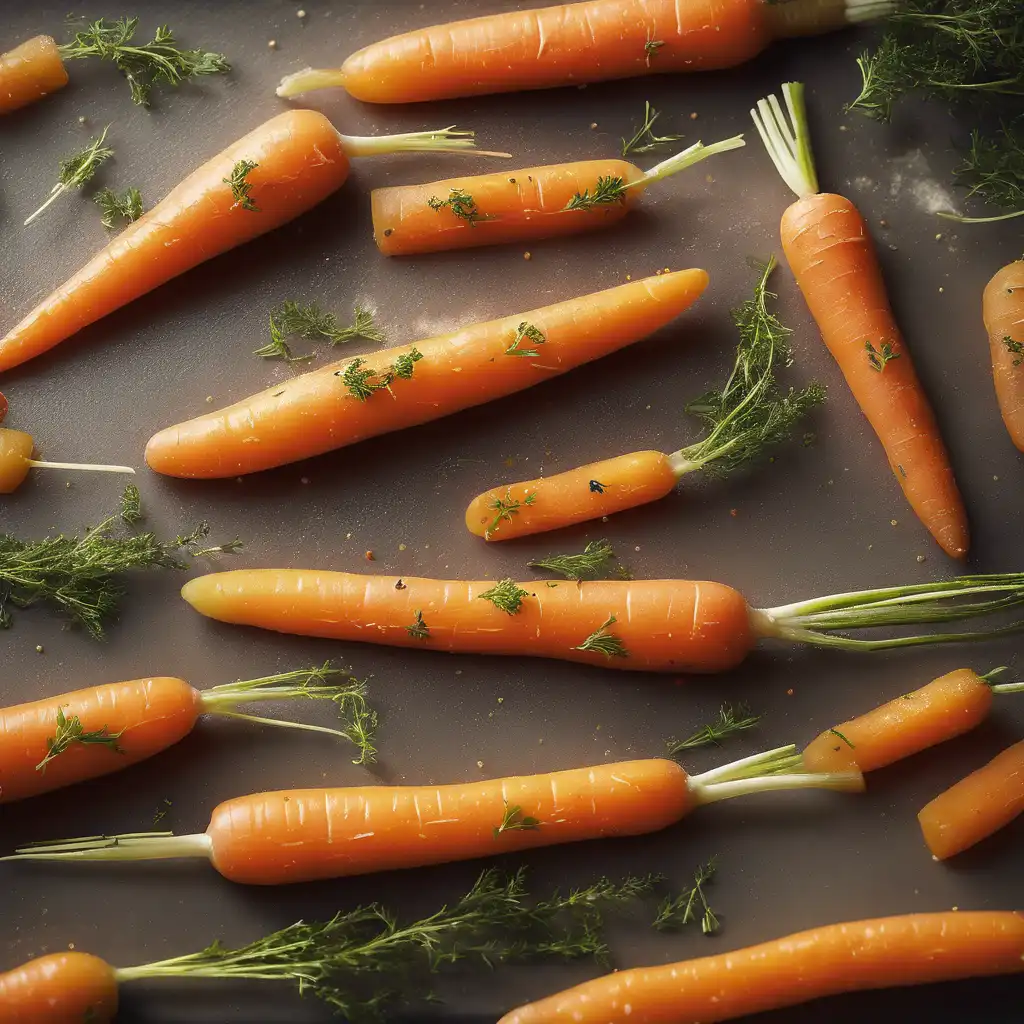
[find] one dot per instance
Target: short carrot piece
(1003, 312)
(886, 952)
(298, 159)
(977, 806)
(61, 988)
(29, 72)
(569, 44)
(16, 462)
(828, 247)
(344, 402)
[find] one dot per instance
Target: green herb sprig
(419, 630)
(513, 820)
(75, 171)
(69, 731)
(597, 561)
(241, 187)
(127, 206)
(526, 332)
(605, 642)
(506, 595)
(677, 912)
(730, 721)
(879, 358)
(505, 508)
(608, 190)
(644, 140)
(362, 382)
(462, 205)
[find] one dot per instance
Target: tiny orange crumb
(370, 556)
(527, 256)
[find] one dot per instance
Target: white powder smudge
(911, 176)
(863, 184)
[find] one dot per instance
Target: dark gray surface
(817, 521)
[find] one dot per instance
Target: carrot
(516, 206)
(977, 806)
(886, 952)
(651, 625)
(29, 72)
(16, 450)
(305, 834)
(948, 706)
(3, 407)
(54, 742)
(290, 163)
(829, 250)
(573, 43)
(59, 989)
(339, 404)
(1003, 309)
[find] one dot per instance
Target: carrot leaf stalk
(69, 731)
(678, 911)
(593, 563)
(435, 140)
(644, 140)
(730, 721)
(127, 206)
(788, 141)
(76, 170)
(993, 169)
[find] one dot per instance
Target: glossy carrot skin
(948, 706)
(1003, 310)
(301, 162)
(29, 72)
(666, 625)
(16, 449)
(525, 205)
(887, 952)
(570, 44)
(977, 806)
(315, 412)
(153, 713)
(586, 492)
(830, 252)
(62, 988)
(301, 835)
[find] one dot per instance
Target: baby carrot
(887, 952)
(16, 450)
(60, 988)
(29, 72)
(572, 43)
(340, 404)
(1003, 310)
(977, 806)
(829, 250)
(306, 834)
(651, 625)
(279, 170)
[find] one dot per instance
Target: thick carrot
(652, 625)
(306, 834)
(977, 806)
(886, 952)
(573, 43)
(16, 450)
(1003, 311)
(331, 407)
(29, 72)
(300, 159)
(829, 250)
(62, 988)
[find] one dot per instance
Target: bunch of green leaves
(678, 911)
(362, 381)
(309, 321)
(993, 170)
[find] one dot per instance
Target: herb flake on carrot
(514, 820)
(506, 595)
(69, 731)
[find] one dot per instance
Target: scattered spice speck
(39, 648)
(734, 512)
(479, 764)
(921, 558)
(300, 13)
(694, 116)
(593, 125)
(304, 480)
(527, 256)
(401, 547)
(893, 522)
(209, 398)
(789, 692)
(370, 556)
(637, 548)
(883, 223)
(271, 44)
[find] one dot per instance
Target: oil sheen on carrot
(16, 449)
(29, 72)
(61, 988)
(1003, 310)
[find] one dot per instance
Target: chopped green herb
(514, 820)
(604, 642)
(419, 629)
(462, 205)
(730, 721)
(70, 730)
(505, 508)
(879, 358)
(241, 187)
(594, 563)
(682, 910)
(506, 595)
(609, 189)
(128, 206)
(644, 140)
(525, 332)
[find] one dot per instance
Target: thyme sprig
(69, 731)
(644, 140)
(595, 562)
(603, 641)
(74, 171)
(677, 912)
(730, 721)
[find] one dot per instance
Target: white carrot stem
(84, 466)
(280, 722)
(687, 158)
(309, 79)
(843, 782)
(130, 846)
(55, 193)
(436, 140)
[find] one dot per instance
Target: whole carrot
(886, 952)
(306, 834)
(573, 43)
(649, 625)
(1003, 311)
(348, 401)
(279, 170)
(829, 250)
(60, 988)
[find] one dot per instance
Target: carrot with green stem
(828, 247)
(16, 461)
(1003, 313)
(748, 415)
(394, 388)
(278, 171)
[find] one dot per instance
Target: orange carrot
(29, 72)
(517, 206)
(652, 625)
(887, 952)
(62, 988)
(306, 834)
(292, 162)
(573, 43)
(829, 250)
(54, 742)
(16, 450)
(3, 407)
(977, 806)
(1003, 310)
(342, 403)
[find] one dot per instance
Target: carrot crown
(788, 141)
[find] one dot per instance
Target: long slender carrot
(62, 988)
(652, 625)
(977, 806)
(886, 952)
(57, 741)
(516, 206)
(306, 834)
(829, 250)
(16, 450)
(346, 402)
(573, 43)
(1003, 311)
(291, 163)
(29, 72)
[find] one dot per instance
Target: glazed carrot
(61, 988)
(948, 706)
(650, 625)
(305, 834)
(340, 404)
(29, 72)
(54, 742)
(829, 250)
(16, 450)
(887, 952)
(977, 806)
(516, 206)
(573, 43)
(1003, 311)
(290, 163)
